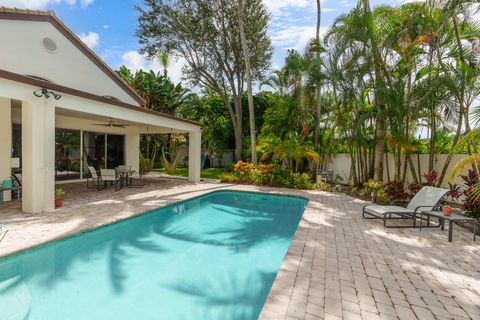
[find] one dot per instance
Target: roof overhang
(86, 95)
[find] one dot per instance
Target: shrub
(471, 204)
(431, 177)
(302, 181)
(322, 185)
(394, 191)
(373, 187)
(229, 177)
(263, 173)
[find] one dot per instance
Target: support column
(132, 151)
(194, 155)
(38, 155)
(5, 143)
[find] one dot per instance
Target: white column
(194, 155)
(38, 155)
(132, 151)
(5, 143)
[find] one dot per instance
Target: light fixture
(44, 92)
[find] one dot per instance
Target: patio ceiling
(87, 119)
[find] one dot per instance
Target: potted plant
(447, 210)
(59, 194)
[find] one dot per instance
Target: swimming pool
(211, 257)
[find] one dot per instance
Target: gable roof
(49, 16)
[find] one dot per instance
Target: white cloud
(294, 36)
(277, 7)
(91, 39)
(41, 4)
(136, 61)
(86, 3)
(106, 26)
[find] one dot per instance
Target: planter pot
(58, 203)
(447, 211)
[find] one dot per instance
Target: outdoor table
(451, 219)
(123, 175)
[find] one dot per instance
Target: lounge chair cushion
(381, 210)
(427, 196)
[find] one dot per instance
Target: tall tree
(204, 33)
(248, 74)
(318, 88)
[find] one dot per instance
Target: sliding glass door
(67, 154)
(115, 150)
(102, 151)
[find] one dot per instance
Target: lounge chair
(3, 231)
(428, 198)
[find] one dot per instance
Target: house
(63, 109)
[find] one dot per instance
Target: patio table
(123, 174)
(451, 219)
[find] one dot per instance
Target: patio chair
(136, 180)
(17, 182)
(3, 231)
(94, 178)
(108, 176)
(428, 198)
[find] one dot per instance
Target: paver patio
(338, 266)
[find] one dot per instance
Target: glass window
(67, 154)
(115, 150)
(93, 151)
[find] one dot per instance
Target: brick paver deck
(338, 266)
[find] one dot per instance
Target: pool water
(211, 257)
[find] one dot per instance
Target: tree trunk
(379, 97)
(318, 87)
(246, 56)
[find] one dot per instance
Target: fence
(340, 164)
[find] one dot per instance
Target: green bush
(266, 174)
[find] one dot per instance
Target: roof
(75, 92)
(49, 16)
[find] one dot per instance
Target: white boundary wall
(341, 163)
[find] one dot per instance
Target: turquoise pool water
(212, 257)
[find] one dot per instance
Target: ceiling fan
(111, 124)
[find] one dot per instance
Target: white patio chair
(108, 176)
(428, 198)
(94, 177)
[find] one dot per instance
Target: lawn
(211, 173)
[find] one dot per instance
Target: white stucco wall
(341, 164)
(22, 52)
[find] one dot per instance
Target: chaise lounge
(428, 198)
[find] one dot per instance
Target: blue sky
(108, 27)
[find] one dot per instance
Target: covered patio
(62, 109)
(338, 266)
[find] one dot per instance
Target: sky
(108, 26)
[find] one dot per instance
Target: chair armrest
(417, 208)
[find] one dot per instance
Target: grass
(211, 173)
